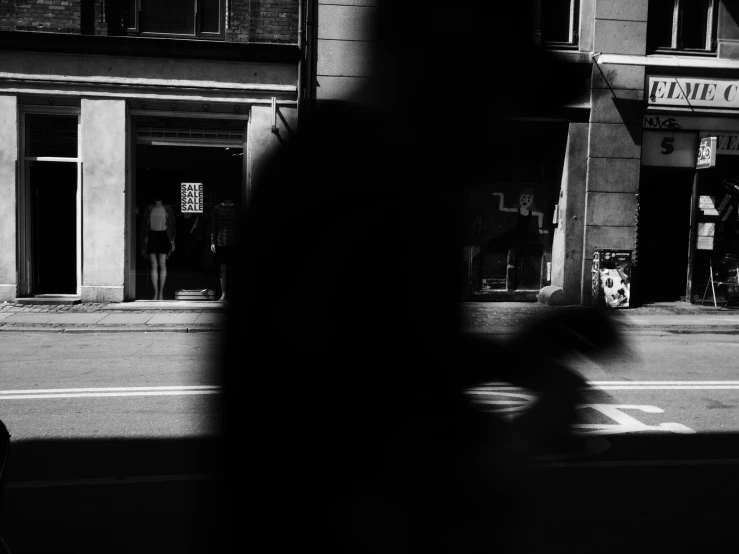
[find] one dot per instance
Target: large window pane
(555, 20)
(210, 16)
(660, 26)
(168, 16)
(695, 23)
(51, 135)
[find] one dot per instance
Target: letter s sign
(668, 146)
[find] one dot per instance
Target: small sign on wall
(706, 153)
(707, 204)
(706, 232)
(668, 149)
(191, 198)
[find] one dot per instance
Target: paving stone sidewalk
(477, 317)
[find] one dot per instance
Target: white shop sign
(692, 92)
(191, 198)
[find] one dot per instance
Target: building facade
(612, 166)
(105, 104)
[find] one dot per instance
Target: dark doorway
(53, 187)
(663, 234)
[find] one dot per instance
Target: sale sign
(191, 198)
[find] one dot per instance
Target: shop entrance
(192, 268)
(53, 187)
(49, 205)
(663, 234)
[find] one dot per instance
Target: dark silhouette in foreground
(346, 420)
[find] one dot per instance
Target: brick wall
(51, 16)
(273, 21)
(263, 21)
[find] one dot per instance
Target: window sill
(686, 53)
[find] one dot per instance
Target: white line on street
(110, 389)
(639, 463)
(678, 387)
(107, 481)
(633, 385)
(104, 394)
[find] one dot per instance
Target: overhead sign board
(191, 198)
(706, 153)
(690, 91)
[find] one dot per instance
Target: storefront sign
(191, 198)
(706, 232)
(707, 204)
(689, 91)
(706, 153)
(668, 149)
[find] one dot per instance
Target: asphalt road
(113, 447)
(113, 444)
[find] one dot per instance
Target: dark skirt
(158, 243)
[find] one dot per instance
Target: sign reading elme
(687, 91)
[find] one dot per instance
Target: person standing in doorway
(224, 237)
(158, 230)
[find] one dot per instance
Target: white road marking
(640, 463)
(36, 394)
(635, 385)
(625, 423)
(107, 481)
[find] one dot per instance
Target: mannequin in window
(223, 238)
(158, 231)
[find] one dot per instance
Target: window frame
(574, 32)
(675, 47)
(197, 35)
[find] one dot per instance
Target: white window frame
(710, 46)
(574, 31)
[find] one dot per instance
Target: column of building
(614, 150)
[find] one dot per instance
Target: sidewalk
(151, 316)
(493, 318)
(666, 317)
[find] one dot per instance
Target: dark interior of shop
(663, 234)
(192, 266)
(664, 231)
(53, 187)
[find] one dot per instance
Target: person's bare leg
(223, 283)
(162, 274)
(154, 274)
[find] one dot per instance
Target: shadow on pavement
(124, 495)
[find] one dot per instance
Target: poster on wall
(191, 198)
(706, 233)
(612, 278)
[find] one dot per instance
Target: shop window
(192, 18)
(556, 22)
(687, 26)
(51, 136)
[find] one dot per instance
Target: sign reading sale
(191, 198)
